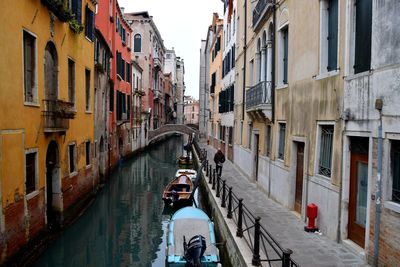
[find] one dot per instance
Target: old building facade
(191, 111)
(47, 126)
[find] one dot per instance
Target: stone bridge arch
(169, 129)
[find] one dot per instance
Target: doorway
(358, 190)
(53, 186)
(256, 156)
(298, 198)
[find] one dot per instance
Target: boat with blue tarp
(191, 239)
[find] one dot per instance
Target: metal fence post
(229, 215)
(218, 185)
(223, 203)
(211, 176)
(256, 251)
(239, 231)
(213, 181)
(286, 257)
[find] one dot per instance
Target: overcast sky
(182, 24)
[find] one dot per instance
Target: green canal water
(125, 226)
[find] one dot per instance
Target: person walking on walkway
(219, 159)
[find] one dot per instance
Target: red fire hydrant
(312, 213)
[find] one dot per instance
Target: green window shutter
(332, 35)
(362, 59)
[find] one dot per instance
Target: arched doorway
(53, 184)
(50, 72)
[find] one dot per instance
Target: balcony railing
(58, 8)
(258, 95)
(57, 114)
(260, 10)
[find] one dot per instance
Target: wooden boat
(185, 162)
(178, 192)
(191, 239)
(188, 172)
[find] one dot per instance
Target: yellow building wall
(34, 17)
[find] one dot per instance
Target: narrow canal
(125, 226)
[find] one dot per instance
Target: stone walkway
(309, 249)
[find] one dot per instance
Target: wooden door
(299, 177)
(358, 197)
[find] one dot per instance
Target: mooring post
(213, 181)
(239, 231)
(223, 203)
(230, 203)
(256, 251)
(286, 260)
(218, 186)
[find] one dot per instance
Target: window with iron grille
(30, 180)
(230, 135)
(395, 160)
(268, 141)
(282, 134)
(250, 134)
(325, 152)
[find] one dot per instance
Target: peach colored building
(191, 110)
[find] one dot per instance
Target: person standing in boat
(219, 159)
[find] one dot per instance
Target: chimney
(122, 10)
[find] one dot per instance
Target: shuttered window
(325, 155)
(77, 10)
(137, 45)
(332, 34)
(87, 156)
(128, 72)
(87, 89)
(29, 66)
(285, 36)
(362, 59)
(89, 25)
(395, 158)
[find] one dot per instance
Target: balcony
(157, 63)
(262, 7)
(59, 9)
(258, 101)
(57, 114)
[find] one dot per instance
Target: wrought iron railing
(57, 114)
(263, 246)
(59, 9)
(258, 94)
(260, 10)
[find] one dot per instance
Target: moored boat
(179, 191)
(188, 172)
(191, 239)
(185, 162)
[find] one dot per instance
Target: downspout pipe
(378, 202)
(273, 61)
(244, 60)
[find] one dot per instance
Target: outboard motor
(194, 250)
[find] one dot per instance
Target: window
(281, 147)
(213, 81)
(29, 67)
(71, 81)
(329, 35)
(250, 134)
(325, 150)
(362, 55)
(241, 132)
(76, 8)
(137, 46)
(284, 55)
(72, 155)
(89, 25)
(128, 72)
(111, 108)
(251, 72)
(268, 141)
(31, 171)
(87, 89)
(395, 162)
(87, 154)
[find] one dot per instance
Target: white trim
(393, 206)
(326, 74)
(35, 87)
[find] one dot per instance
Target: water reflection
(125, 226)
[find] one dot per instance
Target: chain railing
(263, 246)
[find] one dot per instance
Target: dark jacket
(219, 157)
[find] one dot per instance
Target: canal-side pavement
(309, 249)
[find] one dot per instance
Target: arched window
(137, 43)
(51, 72)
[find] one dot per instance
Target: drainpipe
(273, 61)
(244, 59)
(378, 202)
